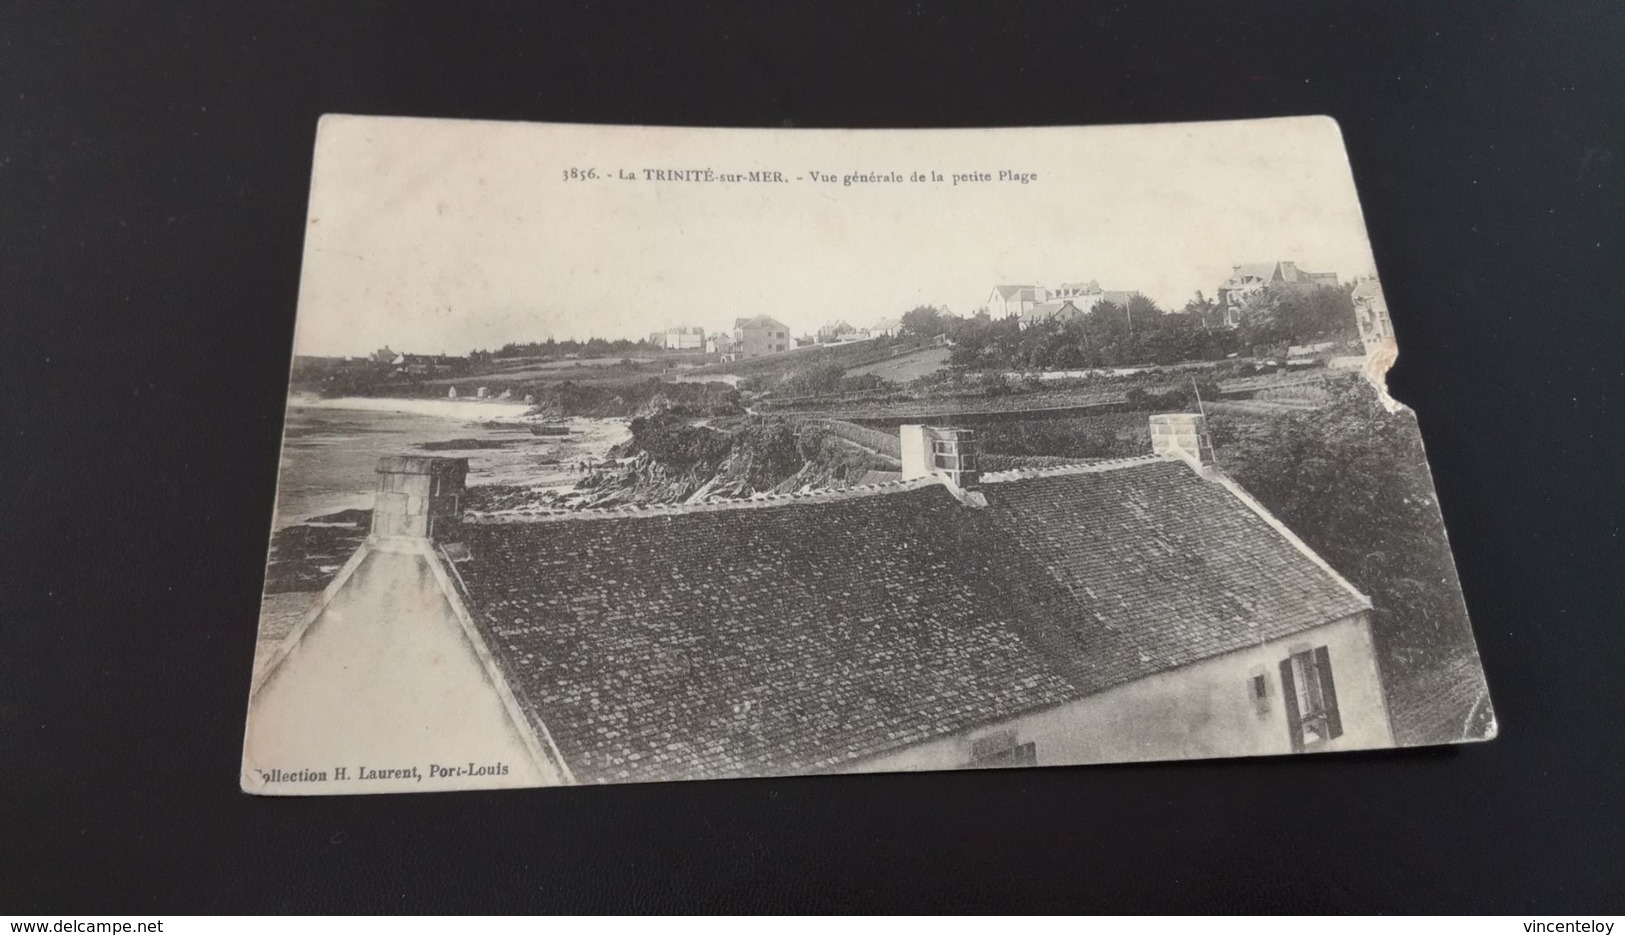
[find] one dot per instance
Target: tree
(1352, 481)
(924, 321)
(974, 337)
(1141, 308)
(1109, 335)
(1175, 337)
(1280, 314)
(816, 380)
(1205, 310)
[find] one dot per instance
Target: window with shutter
(1311, 698)
(1001, 749)
(1258, 689)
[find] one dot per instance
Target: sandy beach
(332, 446)
(440, 408)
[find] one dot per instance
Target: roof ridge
(756, 501)
(1274, 522)
(1078, 467)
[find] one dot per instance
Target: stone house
(760, 335)
(1032, 304)
(1132, 609)
(1087, 295)
(1013, 301)
(1248, 279)
(833, 331)
(719, 342)
(1371, 315)
(686, 338)
(1057, 310)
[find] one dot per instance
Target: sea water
(331, 448)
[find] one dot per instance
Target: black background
(154, 164)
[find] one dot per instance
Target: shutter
(1328, 691)
(1289, 694)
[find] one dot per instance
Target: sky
(445, 236)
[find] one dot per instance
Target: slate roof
(1071, 288)
(1250, 271)
(757, 640)
(1368, 289)
(1163, 568)
(1280, 271)
(806, 635)
(759, 322)
(1062, 309)
(1025, 293)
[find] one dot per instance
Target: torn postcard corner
(625, 454)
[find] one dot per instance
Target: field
(598, 370)
(948, 407)
(854, 354)
(1270, 394)
(906, 368)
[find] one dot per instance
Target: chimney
(1182, 435)
(949, 454)
(419, 497)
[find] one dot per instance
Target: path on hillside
(894, 463)
(884, 444)
(1257, 407)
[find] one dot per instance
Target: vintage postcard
(626, 454)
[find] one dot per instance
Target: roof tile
(802, 635)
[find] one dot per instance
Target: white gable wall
(1201, 710)
(386, 676)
